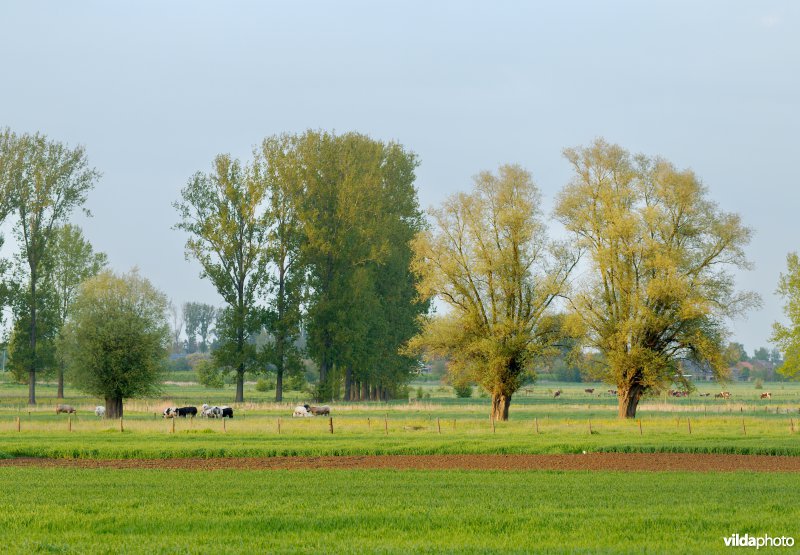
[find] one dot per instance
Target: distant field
(141, 511)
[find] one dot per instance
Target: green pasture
(576, 421)
(337, 511)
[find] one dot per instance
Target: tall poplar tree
(225, 214)
(277, 167)
(73, 261)
(46, 180)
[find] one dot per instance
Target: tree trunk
(323, 380)
(114, 407)
(348, 383)
(32, 370)
(629, 396)
(500, 404)
(60, 394)
(364, 396)
(240, 384)
(279, 386)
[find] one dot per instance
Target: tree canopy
(224, 213)
(488, 259)
(787, 337)
(45, 181)
(117, 338)
(659, 253)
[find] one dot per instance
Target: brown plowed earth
(593, 461)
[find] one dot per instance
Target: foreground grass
(141, 511)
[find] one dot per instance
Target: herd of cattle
(206, 411)
(302, 411)
(672, 393)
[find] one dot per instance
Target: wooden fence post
(330, 423)
(173, 424)
(279, 425)
(69, 423)
(121, 427)
(438, 425)
(688, 421)
(640, 426)
(536, 424)
(744, 430)
(492, 419)
(18, 427)
(386, 425)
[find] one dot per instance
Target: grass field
(396, 511)
(573, 423)
(141, 511)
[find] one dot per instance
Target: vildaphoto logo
(747, 540)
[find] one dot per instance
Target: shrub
(208, 375)
(759, 383)
(264, 385)
(463, 391)
(420, 393)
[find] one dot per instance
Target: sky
(154, 90)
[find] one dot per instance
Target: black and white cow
(183, 412)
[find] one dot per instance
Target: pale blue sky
(155, 89)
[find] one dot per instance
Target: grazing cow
(591, 390)
(69, 409)
(612, 392)
(183, 412)
(301, 411)
(704, 394)
(322, 410)
(723, 395)
(169, 412)
(766, 395)
(100, 411)
(557, 393)
(225, 412)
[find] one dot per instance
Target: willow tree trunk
(113, 407)
(500, 404)
(629, 396)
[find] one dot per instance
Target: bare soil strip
(653, 462)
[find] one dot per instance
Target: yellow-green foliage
(658, 250)
(488, 258)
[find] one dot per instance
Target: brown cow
(69, 409)
(589, 390)
(766, 395)
(323, 410)
(557, 393)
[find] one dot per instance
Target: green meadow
(436, 423)
(369, 511)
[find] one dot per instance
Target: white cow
(301, 411)
(100, 411)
